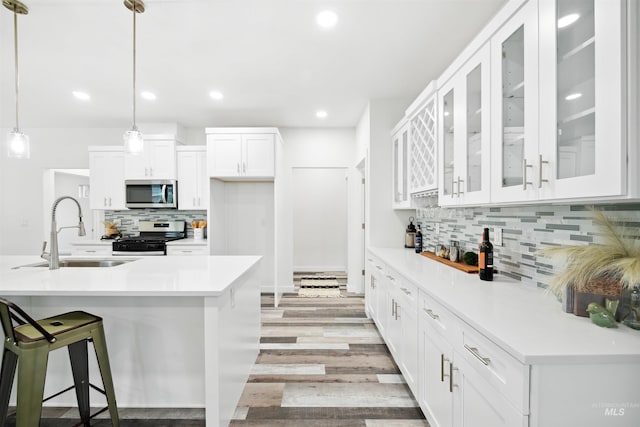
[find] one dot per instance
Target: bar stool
(28, 344)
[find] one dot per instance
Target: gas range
(152, 240)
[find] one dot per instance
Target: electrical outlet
(437, 228)
(497, 236)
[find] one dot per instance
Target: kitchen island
(181, 331)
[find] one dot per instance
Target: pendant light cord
(134, 65)
(15, 45)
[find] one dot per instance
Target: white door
(319, 219)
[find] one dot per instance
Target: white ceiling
(275, 66)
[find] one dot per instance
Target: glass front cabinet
(558, 97)
(400, 156)
(464, 118)
(582, 114)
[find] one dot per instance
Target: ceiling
(273, 63)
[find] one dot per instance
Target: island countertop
(145, 276)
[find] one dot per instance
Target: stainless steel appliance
(160, 193)
(152, 240)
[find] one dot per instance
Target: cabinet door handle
(393, 307)
(473, 350)
(238, 168)
(146, 172)
(150, 171)
(105, 202)
(459, 181)
(244, 167)
(109, 201)
(453, 183)
(90, 251)
(451, 369)
(198, 201)
(524, 174)
(396, 311)
(442, 360)
(540, 163)
(431, 313)
(194, 201)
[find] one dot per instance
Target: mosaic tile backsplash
(127, 220)
(525, 229)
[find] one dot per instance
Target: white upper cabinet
(514, 107)
(423, 158)
(582, 98)
(157, 161)
(106, 178)
(400, 156)
(464, 104)
(241, 156)
(193, 181)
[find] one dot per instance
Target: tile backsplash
(127, 220)
(525, 229)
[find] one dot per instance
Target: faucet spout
(54, 255)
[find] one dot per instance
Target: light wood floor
(323, 363)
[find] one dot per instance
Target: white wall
(313, 147)
(22, 207)
(385, 227)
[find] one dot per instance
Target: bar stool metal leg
(32, 370)
(100, 346)
(9, 363)
(80, 369)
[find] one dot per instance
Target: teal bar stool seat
(27, 345)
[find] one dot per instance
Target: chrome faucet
(53, 256)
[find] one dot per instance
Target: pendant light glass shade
(133, 140)
(18, 145)
(17, 142)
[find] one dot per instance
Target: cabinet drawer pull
(406, 291)
(378, 267)
(431, 313)
(390, 278)
(473, 350)
(369, 259)
(451, 369)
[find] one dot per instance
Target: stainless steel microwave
(157, 193)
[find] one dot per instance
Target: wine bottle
(418, 240)
(485, 261)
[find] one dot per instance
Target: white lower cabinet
(466, 382)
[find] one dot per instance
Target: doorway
(319, 219)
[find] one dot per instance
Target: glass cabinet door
(582, 53)
(448, 143)
(400, 146)
(514, 87)
(474, 131)
(575, 77)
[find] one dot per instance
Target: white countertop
(146, 276)
(527, 322)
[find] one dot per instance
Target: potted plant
(598, 271)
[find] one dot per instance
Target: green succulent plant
(618, 257)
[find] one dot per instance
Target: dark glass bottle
(418, 240)
(485, 260)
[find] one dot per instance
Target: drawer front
(92, 250)
(440, 318)
(499, 368)
(187, 250)
(407, 294)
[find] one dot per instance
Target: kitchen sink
(82, 263)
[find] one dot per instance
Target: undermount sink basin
(82, 263)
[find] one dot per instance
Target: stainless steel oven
(151, 194)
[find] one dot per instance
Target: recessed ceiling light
(327, 19)
(567, 20)
(321, 114)
(81, 95)
(216, 95)
(150, 96)
(573, 96)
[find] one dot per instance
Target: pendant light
(17, 142)
(133, 141)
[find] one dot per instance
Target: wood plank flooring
(323, 363)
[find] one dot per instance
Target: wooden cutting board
(458, 265)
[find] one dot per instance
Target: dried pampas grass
(617, 258)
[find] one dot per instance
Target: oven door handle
(164, 194)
